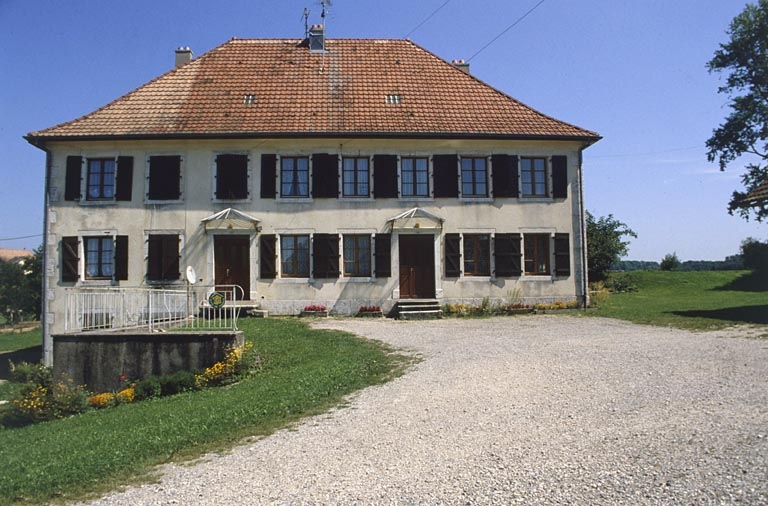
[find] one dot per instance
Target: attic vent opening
(249, 99)
(394, 98)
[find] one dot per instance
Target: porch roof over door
(416, 218)
(230, 219)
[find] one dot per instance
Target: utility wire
(505, 30)
(24, 237)
(427, 19)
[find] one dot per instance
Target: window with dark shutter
(507, 255)
(121, 257)
(559, 177)
(164, 178)
(232, 177)
(562, 255)
(268, 177)
(325, 255)
(325, 176)
(268, 256)
(383, 255)
(445, 169)
(73, 177)
(124, 184)
(505, 176)
(70, 259)
(385, 176)
(452, 255)
(163, 257)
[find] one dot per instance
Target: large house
(340, 172)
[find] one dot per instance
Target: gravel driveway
(529, 410)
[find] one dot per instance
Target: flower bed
(317, 310)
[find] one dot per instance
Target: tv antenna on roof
(306, 22)
(323, 3)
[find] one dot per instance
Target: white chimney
(317, 39)
(183, 56)
(461, 65)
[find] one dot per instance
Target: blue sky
(632, 71)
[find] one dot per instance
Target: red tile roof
(759, 194)
(340, 92)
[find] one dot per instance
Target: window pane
(357, 255)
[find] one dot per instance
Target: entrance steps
(418, 309)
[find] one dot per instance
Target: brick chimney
(183, 56)
(461, 65)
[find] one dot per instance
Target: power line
(24, 237)
(505, 30)
(427, 19)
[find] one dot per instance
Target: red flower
(122, 377)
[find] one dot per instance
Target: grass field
(305, 372)
(700, 300)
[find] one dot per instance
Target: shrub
(598, 294)
(618, 283)
(27, 372)
(103, 400)
(47, 400)
(147, 388)
(237, 361)
(670, 262)
(181, 381)
(755, 255)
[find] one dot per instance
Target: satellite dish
(191, 275)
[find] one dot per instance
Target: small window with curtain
(101, 179)
(294, 176)
(355, 177)
(474, 177)
(294, 256)
(357, 255)
(99, 257)
(414, 177)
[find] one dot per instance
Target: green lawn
(700, 300)
(12, 341)
(305, 372)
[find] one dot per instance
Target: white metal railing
(197, 307)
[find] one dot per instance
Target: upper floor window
(357, 255)
(232, 177)
(294, 176)
(294, 256)
(474, 177)
(477, 255)
(101, 179)
(355, 177)
(533, 176)
(536, 253)
(164, 178)
(414, 177)
(99, 257)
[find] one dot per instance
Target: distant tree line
(731, 263)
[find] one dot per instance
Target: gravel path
(528, 410)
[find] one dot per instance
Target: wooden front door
(232, 265)
(417, 267)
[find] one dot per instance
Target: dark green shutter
(452, 255)
(268, 177)
(124, 178)
(164, 178)
(325, 176)
(562, 255)
(559, 177)
(69, 259)
(507, 255)
(268, 256)
(445, 169)
(505, 176)
(385, 176)
(325, 256)
(121, 257)
(383, 255)
(72, 180)
(232, 176)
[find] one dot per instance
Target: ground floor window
(294, 256)
(477, 255)
(536, 254)
(357, 255)
(163, 257)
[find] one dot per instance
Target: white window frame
(430, 178)
(279, 177)
(370, 178)
(84, 169)
(488, 175)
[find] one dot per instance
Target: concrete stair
(418, 309)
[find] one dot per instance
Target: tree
(21, 284)
(670, 262)
(745, 130)
(604, 244)
(755, 255)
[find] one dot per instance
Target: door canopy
(416, 218)
(230, 219)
